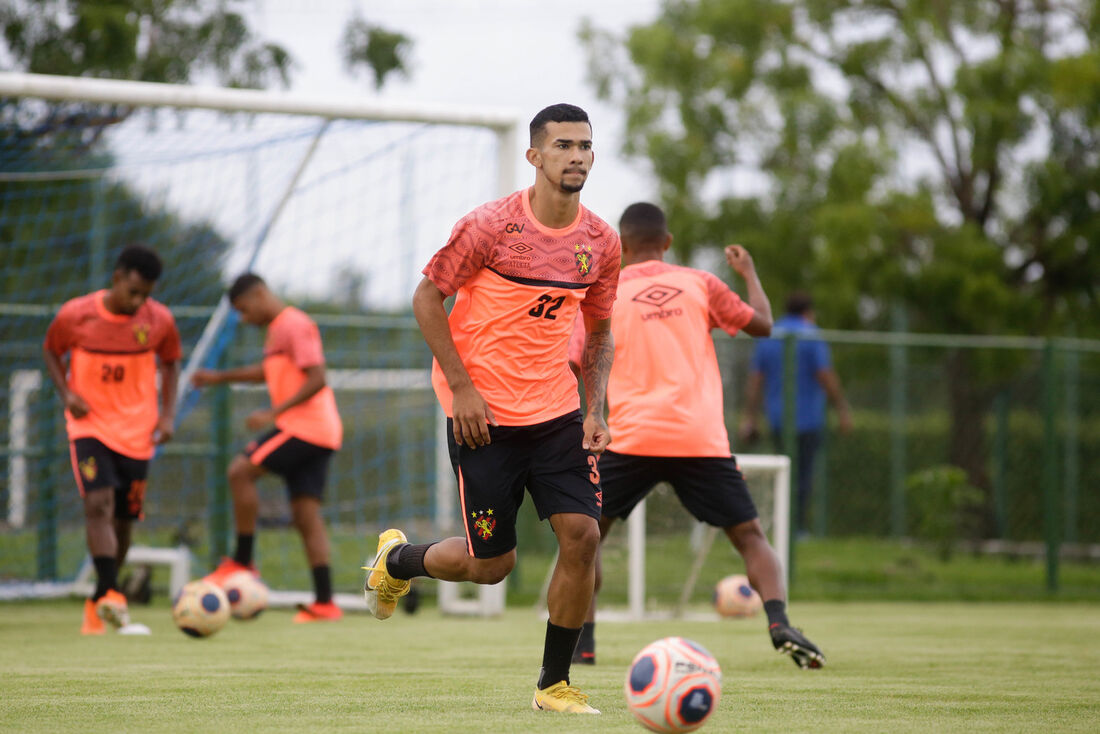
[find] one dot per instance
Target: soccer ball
(735, 597)
(247, 595)
(673, 685)
(200, 609)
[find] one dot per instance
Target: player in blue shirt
(815, 380)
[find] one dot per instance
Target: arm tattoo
(599, 352)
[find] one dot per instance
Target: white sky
(520, 55)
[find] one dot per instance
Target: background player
(113, 339)
(665, 399)
(815, 379)
(306, 432)
(520, 268)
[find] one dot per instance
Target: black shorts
(98, 467)
(546, 458)
(303, 465)
(711, 488)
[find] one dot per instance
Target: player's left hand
(164, 430)
(257, 419)
(597, 437)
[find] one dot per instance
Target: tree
(944, 156)
(371, 47)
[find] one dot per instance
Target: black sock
(322, 584)
(776, 609)
(406, 561)
(243, 555)
(106, 571)
(587, 641)
(557, 654)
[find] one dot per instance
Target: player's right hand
(739, 259)
(472, 416)
(76, 405)
(202, 378)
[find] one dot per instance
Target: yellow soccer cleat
(382, 590)
(562, 697)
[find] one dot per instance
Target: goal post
(337, 201)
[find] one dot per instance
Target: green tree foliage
(944, 154)
(942, 157)
(366, 46)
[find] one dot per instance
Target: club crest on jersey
(141, 333)
(88, 469)
(484, 523)
(583, 256)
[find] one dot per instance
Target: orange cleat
(225, 569)
(92, 624)
(318, 612)
(112, 609)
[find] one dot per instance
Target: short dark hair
(560, 112)
(643, 223)
(141, 260)
(799, 302)
(243, 284)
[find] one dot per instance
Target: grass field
(899, 667)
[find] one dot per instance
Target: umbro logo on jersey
(513, 228)
(657, 295)
(521, 247)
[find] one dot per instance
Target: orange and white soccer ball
(735, 597)
(673, 685)
(200, 609)
(247, 594)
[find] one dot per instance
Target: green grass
(899, 667)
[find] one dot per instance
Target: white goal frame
(504, 124)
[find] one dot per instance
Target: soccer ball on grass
(200, 609)
(247, 595)
(673, 685)
(735, 597)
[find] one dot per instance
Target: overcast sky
(519, 55)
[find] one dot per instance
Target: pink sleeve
(727, 311)
(600, 298)
(169, 349)
(576, 341)
(59, 334)
(459, 259)
(304, 343)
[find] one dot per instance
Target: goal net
(337, 203)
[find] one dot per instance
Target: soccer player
(665, 400)
(520, 267)
(114, 339)
(304, 431)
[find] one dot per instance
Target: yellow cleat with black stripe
(380, 589)
(562, 697)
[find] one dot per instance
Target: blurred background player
(306, 432)
(114, 339)
(520, 267)
(665, 399)
(814, 381)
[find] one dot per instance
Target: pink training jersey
(113, 366)
(665, 389)
(518, 286)
(294, 343)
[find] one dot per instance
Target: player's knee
(99, 504)
(493, 570)
(240, 469)
(580, 543)
(747, 534)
